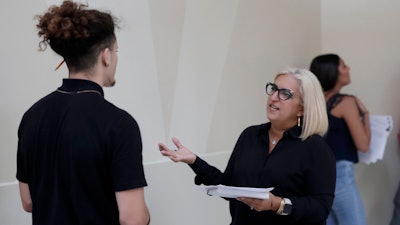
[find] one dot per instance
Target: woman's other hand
(361, 106)
(272, 203)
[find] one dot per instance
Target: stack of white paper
(381, 126)
(234, 192)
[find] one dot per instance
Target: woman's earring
(298, 121)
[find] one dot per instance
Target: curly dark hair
(76, 33)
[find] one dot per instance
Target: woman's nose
(275, 96)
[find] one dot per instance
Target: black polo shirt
(75, 150)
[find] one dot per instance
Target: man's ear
(106, 57)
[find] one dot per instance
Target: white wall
(196, 70)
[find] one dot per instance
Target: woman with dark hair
(349, 132)
(79, 158)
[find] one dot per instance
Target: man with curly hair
(79, 158)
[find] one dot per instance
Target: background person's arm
(132, 207)
(348, 109)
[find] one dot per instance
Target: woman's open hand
(182, 154)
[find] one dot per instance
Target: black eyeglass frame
(283, 93)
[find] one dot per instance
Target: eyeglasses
(283, 93)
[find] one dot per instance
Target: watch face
(287, 209)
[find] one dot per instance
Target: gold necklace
(79, 92)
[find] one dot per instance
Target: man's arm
(132, 207)
(25, 196)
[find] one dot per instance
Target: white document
(234, 192)
(381, 126)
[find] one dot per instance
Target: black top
(303, 171)
(75, 150)
(339, 137)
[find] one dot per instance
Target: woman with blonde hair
(287, 153)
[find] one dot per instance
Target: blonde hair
(315, 117)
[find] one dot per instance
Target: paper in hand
(235, 192)
(381, 126)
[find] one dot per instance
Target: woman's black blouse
(303, 171)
